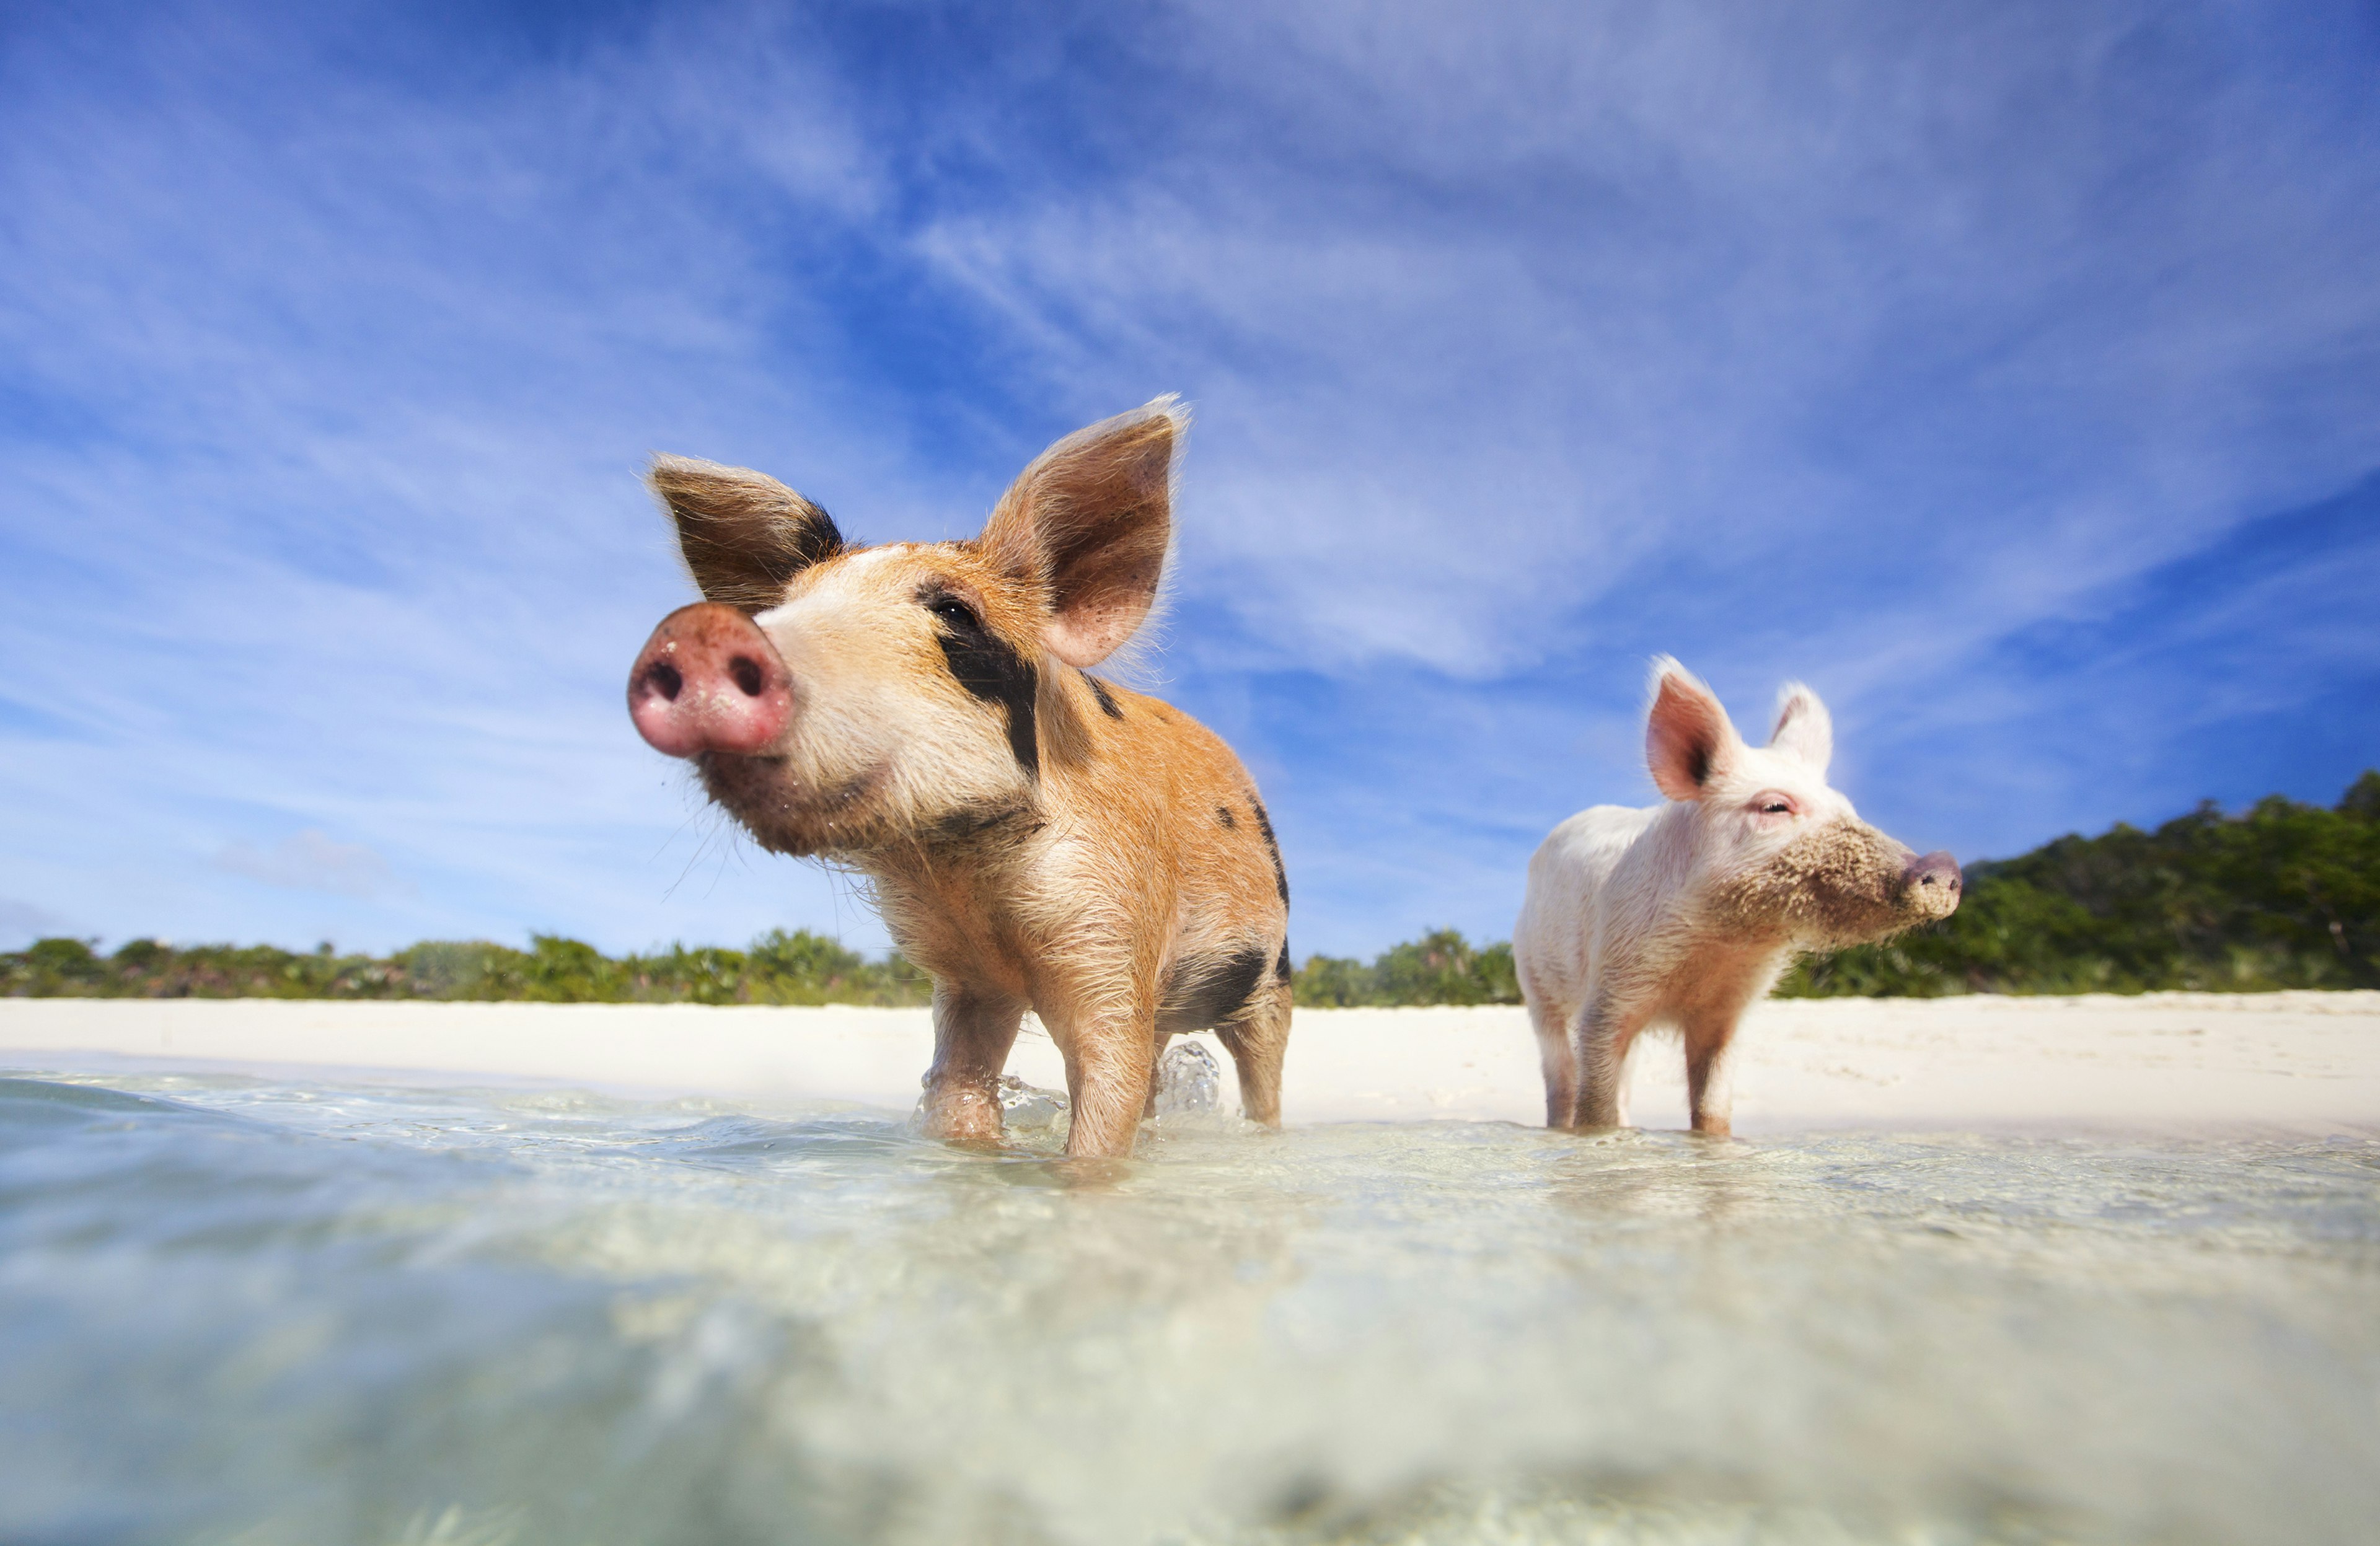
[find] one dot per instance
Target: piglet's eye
(1776, 808)
(955, 612)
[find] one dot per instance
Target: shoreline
(2292, 1062)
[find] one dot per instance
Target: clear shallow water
(234, 1311)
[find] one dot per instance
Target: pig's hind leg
(1257, 1039)
(1551, 1020)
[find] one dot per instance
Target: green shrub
(1439, 968)
(799, 968)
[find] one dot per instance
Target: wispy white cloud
(1851, 346)
(1850, 300)
(355, 539)
(311, 861)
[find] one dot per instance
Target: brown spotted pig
(1037, 838)
(1684, 913)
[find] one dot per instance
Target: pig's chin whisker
(854, 878)
(732, 850)
(696, 814)
(709, 831)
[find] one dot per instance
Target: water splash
(1026, 1109)
(1188, 1081)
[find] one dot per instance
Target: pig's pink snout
(1937, 870)
(709, 681)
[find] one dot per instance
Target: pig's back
(1163, 796)
(1553, 942)
(1581, 853)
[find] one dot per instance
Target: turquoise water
(243, 1310)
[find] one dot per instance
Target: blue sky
(2009, 372)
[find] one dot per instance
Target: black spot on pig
(1223, 815)
(1107, 705)
(1272, 846)
(1201, 992)
(980, 817)
(985, 665)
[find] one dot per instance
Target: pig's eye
(955, 612)
(1773, 804)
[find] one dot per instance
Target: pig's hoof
(966, 1135)
(969, 1118)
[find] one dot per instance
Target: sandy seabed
(2280, 1062)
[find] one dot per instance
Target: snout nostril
(666, 679)
(746, 672)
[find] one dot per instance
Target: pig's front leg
(1107, 1076)
(1710, 1094)
(973, 1032)
(1600, 1043)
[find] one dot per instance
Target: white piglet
(1684, 913)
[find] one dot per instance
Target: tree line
(777, 968)
(2283, 895)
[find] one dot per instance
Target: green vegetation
(779, 968)
(1439, 968)
(2283, 896)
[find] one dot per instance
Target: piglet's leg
(1257, 1041)
(1709, 1089)
(1552, 1022)
(1599, 1041)
(973, 1032)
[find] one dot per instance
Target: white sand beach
(2300, 1062)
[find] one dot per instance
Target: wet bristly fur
(1036, 838)
(1683, 914)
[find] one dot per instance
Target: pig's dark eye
(1776, 808)
(955, 612)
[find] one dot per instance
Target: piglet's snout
(708, 681)
(1935, 872)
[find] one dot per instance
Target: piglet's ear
(1803, 727)
(743, 534)
(1689, 740)
(1089, 522)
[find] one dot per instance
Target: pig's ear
(743, 534)
(1803, 727)
(1089, 522)
(1689, 740)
